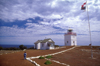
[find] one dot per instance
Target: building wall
(38, 45)
(51, 47)
(45, 46)
(70, 40)
(67, 40)
(73, 40)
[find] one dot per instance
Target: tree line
(21, 47)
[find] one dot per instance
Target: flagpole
(89, 31)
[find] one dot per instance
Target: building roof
(44, 41)
(39, 41)
(70, 30)
(70, 33)
(47, 40)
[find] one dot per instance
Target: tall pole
(89, 31)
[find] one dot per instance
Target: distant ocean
(17, 46)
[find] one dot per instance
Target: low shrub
(11, 48)
(49, 56)
(94, 47)
(31, 48)
(56, 45)
(1, 48)
(22, 47)
(48, 62)
(41, 57)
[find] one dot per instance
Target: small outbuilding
(44, 44)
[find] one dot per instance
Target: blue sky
(26, 21)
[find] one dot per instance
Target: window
(52, 45)
(42, 45)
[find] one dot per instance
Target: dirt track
(16, 59)
(76, 57)
(79, 57)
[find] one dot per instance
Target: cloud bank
(26, 21)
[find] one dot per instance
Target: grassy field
(80, 56)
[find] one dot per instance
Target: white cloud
(53, 16)
(29, 20)
(55, 13)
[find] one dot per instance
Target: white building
(70, 38)
(44, 44)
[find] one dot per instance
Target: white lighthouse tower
(70, 38)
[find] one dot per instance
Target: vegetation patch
(22, 47)
(56, 45)
(41, 57)
(49, 56)
(48, 62)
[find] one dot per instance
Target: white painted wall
(38, 45)
(68, 40)
(73, 40)
(46, 46)
(51, 47)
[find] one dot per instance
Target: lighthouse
(70, 38)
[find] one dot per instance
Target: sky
(26, 21)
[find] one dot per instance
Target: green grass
(48, 62)
(41, 57)
(49, 56)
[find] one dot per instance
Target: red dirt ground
(76, 57)
(16, 59)
(42, 61)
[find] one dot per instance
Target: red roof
(70, 33)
